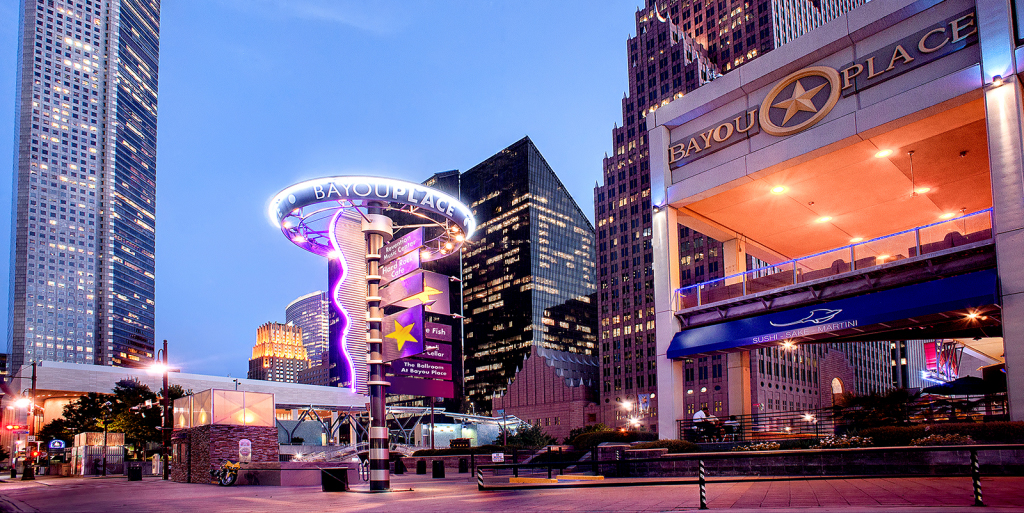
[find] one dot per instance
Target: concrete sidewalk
(459, 493)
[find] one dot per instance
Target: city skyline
(210, 135)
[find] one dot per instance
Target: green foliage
(844, 442)
(987, 432)
(588, 441)
(527, 436)
(574, 432)
(950, 439)
(673, 446)
(763, 446)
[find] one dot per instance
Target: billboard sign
(403, 334)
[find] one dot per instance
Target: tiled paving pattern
(112, 495)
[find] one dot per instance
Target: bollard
(421, 467)
(593, 460)
(976, 478)
(702, 483)
(480, 479)
(438, 469)
(463, 465)
(399, 467)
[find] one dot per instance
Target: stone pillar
(738, 375)
(1004, 123)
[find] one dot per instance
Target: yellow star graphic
(800, 101)
(402, 334)
(424, 297)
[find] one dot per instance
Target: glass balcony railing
(959, 231)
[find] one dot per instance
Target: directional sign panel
(411, 241)
(420, 288)
(402, 385)
(434, 331)
(403, 334)
(437, 351)
(422, 369)
(400, 266)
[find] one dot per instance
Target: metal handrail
(744, 277)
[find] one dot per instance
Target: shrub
(588, 441)
(298, 440)
(950, 439)
(556, 456)
(987, 432)
(574, 432)
(843, 442)
(763, 446)
(673, 446)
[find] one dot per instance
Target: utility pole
(30, 474)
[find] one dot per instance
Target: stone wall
(201, 449)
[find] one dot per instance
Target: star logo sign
(800, 100)
(402, 334)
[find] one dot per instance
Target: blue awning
(972, 290)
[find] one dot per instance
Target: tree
(528, 436)
(574, 432)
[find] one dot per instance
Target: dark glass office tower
(527, 273)
(84, 207)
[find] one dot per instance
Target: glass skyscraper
(84, 194)
(309, 312)
(528, 275)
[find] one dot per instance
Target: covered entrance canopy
(954, 307)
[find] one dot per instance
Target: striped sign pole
(702, 484)
(976, 478)
(376, 229)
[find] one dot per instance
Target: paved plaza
(110, 495)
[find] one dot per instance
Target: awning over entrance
(953, 307)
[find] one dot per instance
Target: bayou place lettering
(930, 44)
(712, 139)
(413, 195)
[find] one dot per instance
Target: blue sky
(258, 94)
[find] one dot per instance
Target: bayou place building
(874, 166)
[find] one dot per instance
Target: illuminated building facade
(279, 354)
(680, 45)
(84, 199)
(527, 270)
(309, 312)
(881, 213)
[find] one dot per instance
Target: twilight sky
(256, 95)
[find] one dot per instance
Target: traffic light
(35, 454)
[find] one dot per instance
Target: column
(1004, 122)
(377, 230)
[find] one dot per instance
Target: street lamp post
(165, 431)
(106, 415)
(29, 473)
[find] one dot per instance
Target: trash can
(399, 466)
(133, 469)
(463, 466)
(421, 467)
(334, 479)
(438, 469)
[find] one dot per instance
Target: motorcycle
(227, 474)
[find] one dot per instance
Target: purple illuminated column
(377, 230)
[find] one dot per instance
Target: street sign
(497, 457)
(31, 438)
(56, 444)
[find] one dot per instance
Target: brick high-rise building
(83, 221)
(278, 354)
(680, 45)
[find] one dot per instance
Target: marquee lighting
(882, 154)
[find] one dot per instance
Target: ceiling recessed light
(856, 239)
(883, 153)
(824, 219)
(922, 190)
(883, 257)
(947, 215)
(779, 189)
